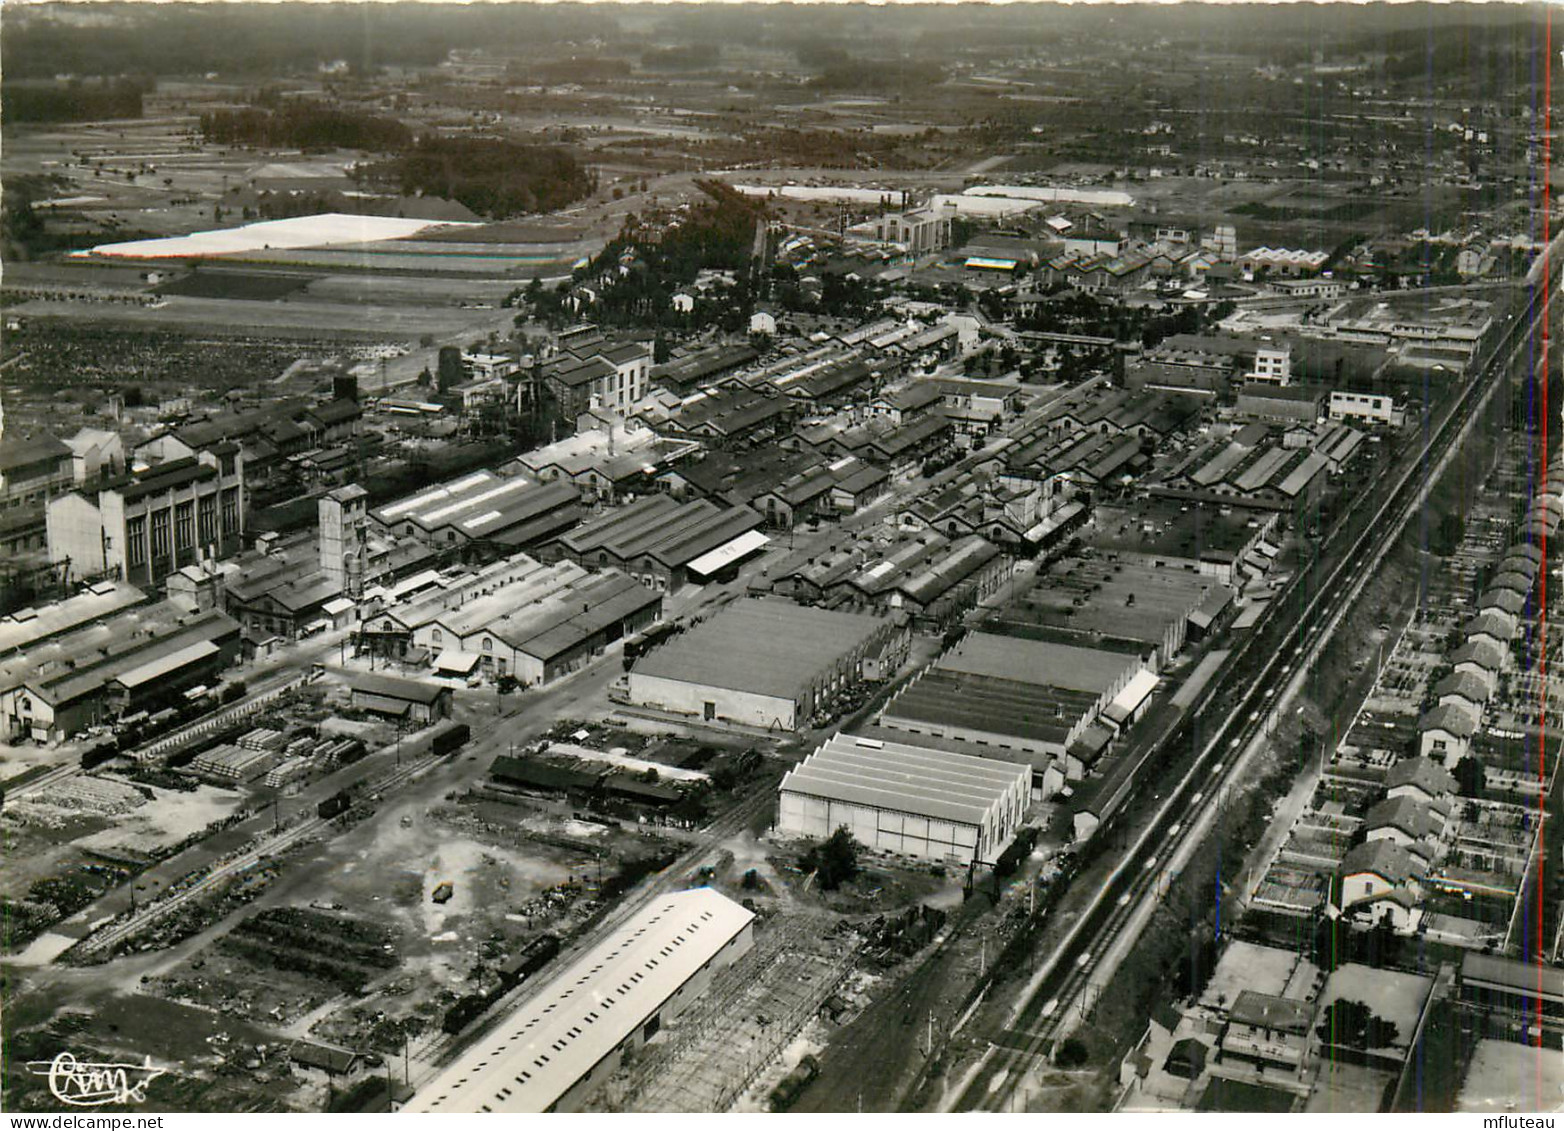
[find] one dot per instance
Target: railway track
(439, 1049)
(44, 781)
(112, 934)
(1062, 993)
(190, 732)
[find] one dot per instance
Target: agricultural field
(384, 288)
(232, 318)
(224, 284)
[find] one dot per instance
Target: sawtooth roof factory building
(663, 543)
(551, 1052)
(1029, 700)
(764, 663)
(482, 507)
(910, 800)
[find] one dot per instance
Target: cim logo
(83, 1083)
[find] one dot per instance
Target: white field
(984, 206)
(298, 232)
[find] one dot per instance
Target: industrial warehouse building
(514, 617)
(905, 799)
(399, 698)
(143, 658)
(482, 507)
(145, 524)
(765, 663)
(663, 543)
(549, 1054)
(1030, 700)
(1125, 606)
(543, 626)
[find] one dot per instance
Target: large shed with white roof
(910, 800)
(555, 1048)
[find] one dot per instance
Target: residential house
(1422, 779)
(1446, 732)
(34, 470)
(1268, 1032)
(1380, 880)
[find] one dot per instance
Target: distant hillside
(70, 101)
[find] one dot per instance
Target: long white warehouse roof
(905, 778)
(546, 1045)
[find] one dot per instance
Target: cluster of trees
(283, 205)
(21, 228)
(544, 304)
(24, 233)
(493, 177)
(834, 862)
(549, 72)
(305, 124)
(830, 150)
(839, 297)
(716, 234)
(1354, 1025)
(1468, 50)
(840, 70)
(73, 101)
(880, 77)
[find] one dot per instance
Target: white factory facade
(904, 799)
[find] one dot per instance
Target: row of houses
(1445, 731)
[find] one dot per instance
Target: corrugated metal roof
(713, 560)
(765, 647)
(165, 665)
(1038, 662)
(539, 1051)
(1302, 475)
(907, 778)
(1259, 473)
